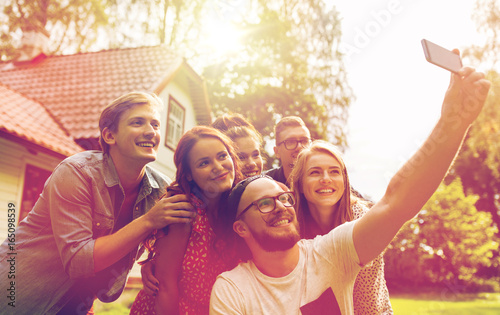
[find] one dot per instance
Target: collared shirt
(54, 244)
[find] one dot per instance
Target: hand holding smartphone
(441, 57)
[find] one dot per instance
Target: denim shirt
(53, 252)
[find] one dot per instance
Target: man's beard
(274, 243)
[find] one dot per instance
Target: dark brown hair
(184, 186)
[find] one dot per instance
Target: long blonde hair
(344, 213)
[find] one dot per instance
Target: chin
(280, 244)
(230, 184)
(272, 243)
(150, 158)
(225, 187)
(216, 190)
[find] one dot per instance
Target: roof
(28, 120)
(75, 88)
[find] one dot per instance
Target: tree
(82, 26)
(72, 25)
(479, 161)
(290, 62)
(487, 17)
(175, 23)
(289, 65)
(449, 241)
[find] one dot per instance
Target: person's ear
(276, 153)
(189, 177)
(240, 228)
(108, 136)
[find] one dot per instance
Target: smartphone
(441, 57)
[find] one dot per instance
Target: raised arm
(416, 181)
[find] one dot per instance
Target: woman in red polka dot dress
(188, 258)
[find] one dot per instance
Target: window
(34, 179)
(175, 123)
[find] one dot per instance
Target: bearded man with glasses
(286, 275)
(281, 267)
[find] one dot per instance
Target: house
(50, 108)
(32, 144)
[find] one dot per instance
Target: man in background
(292, 136)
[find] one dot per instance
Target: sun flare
(221, 37)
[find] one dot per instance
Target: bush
(447, 243)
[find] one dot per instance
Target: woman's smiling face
(211, 166)
(322, 181)
(250, 159)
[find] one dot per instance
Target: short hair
(111, 114)
(285, 122)
(344, 212)
(233, 201)
(234, 242)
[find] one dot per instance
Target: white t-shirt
(321, 283)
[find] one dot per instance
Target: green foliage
(72, 25)
(289, 65)
(152, 22)
(82, 25)
(487, 17)
(478, 163)
(448, 242)
(442, 303)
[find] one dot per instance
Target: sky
(398, 93)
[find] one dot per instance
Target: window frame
(179, 125)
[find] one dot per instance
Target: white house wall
(165, 161)
(14, 160)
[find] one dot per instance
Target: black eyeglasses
(291, 144)
(268, 204)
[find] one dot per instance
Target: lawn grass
(456, 304)
(119, 307)
(406, 304)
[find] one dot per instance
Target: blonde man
(81, 238)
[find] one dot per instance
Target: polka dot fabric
(200, 267)
(371, 295)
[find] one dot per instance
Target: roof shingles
(29, 120)
(75, 88)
